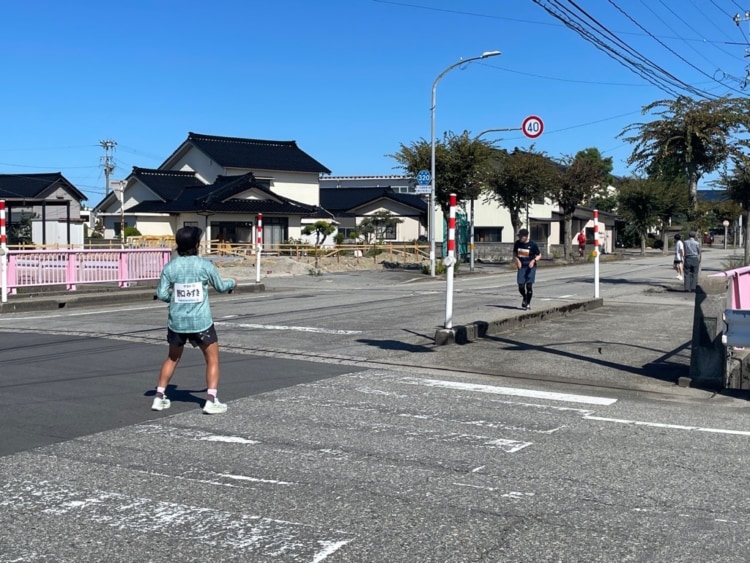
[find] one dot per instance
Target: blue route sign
(423, 177)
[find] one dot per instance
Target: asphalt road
(563, 440)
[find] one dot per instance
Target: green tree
(459, 160)
(377, 225)
(694, 137)
(515, 179)
(578, 179)
(322, 230)
(737, 185)
(639, 207)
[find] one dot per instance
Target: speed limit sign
(532, 126)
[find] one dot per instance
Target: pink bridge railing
(739, 287)
(28, 268)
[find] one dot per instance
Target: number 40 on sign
(532, 126)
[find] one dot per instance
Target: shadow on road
(394, 345)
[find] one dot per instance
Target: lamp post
(475, 194)
(431, 216)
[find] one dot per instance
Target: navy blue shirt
(525, 251)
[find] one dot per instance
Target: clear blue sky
(349, 80)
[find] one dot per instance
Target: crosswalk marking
(265, 537)
(551, 396)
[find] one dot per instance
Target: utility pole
(737, 19)
(109, 167)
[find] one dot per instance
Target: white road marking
(551, 396)
(508, 446)
(263, 537)
(228, 439)
(669, 426)
(192, 434)
(81, 314)
(254, 479)
(292, 328)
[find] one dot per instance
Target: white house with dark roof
(352, 205)
(50, 201)
(221, 184)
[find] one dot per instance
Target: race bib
(523, 252)
(188, 292)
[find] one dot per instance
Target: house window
(488, 234)
(385, 232)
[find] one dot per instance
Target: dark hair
(188, 239)
(523, 233)
(677, 237)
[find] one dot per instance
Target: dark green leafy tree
(579, 178)
(693, 136)
(737, 185)
(375, 226)
(639, 206)
(515, 179)
(322, 230)
(459, 160)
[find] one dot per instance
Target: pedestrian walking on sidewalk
(692, 262)
(184, 285)
(581, 243)
(679, 256)
(526, 255)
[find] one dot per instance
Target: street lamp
(474, 195)
(484, 55)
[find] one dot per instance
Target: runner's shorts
(525, 275)
(203, 338)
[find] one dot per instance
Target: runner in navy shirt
(525, 254)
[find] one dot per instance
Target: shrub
(132, 232)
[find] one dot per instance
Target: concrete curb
(79, 299)
(463, 334)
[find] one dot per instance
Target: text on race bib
(523, 252)
(188, 292)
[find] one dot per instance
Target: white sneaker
(214, 407)
(161, 403)
(680, 278)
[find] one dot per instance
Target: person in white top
(679, 255)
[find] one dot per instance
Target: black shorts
(203, 338)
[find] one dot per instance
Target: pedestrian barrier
(69, 268)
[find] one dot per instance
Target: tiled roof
(342, 200)
(17, 186)
(217, 198)
(256, 154)
(167, 184)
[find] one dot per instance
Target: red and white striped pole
(258, 247)
(3, 255)
(450, 261)
(596, 253)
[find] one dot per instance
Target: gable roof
(218, 198)
(167, 184)
(33, 186)
(342, 200)
(255, 154)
